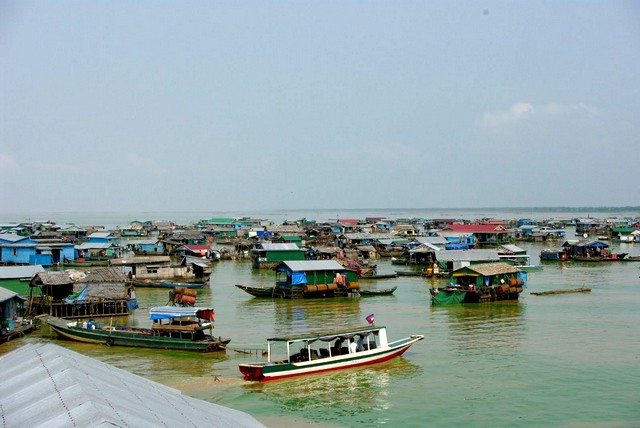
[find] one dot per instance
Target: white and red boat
(326, 351)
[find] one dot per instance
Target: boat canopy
(167, 312)
(327, 335)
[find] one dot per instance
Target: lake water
(562, 360)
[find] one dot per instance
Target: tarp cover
(449, 298)
(298, 278)
(78, 297)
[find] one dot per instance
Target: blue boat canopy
(167, 312)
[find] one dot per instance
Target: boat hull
(385, 292)
(273, 371)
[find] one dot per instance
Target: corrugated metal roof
(11, 237)
(8, 294)
(140, 260)
(311, 265)
(467, 255)
(512, 248)
(280, 246)
(16, 272)
(48, 385)
(93, 246)
(434, 240)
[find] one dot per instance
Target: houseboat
(309, 278)
(593, 251)
(152, 271)
(487, 282)
(267, 255)
(12, 323)
(326, 351)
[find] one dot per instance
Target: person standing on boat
(352, 346)
(360, 344)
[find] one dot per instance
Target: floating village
(74, 280)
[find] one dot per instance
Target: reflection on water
(475, 329)
(298, 316)
(347, 393)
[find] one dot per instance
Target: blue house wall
(41, 259)
(18, 255)
(68, 252)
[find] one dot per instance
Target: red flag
(370, 319)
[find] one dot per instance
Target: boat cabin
(314, 346)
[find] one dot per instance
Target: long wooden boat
(380, 276)
(563, 291)
(381, 292)
(186, 330)
(257, 291)
(410, 273)
(326, 351)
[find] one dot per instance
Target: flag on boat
(370, 319)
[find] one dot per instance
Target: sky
(247, 105)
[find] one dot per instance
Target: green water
(562, 360)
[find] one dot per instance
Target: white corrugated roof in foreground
(46, 385)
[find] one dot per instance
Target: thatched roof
(51, 278)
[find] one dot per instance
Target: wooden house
(314, 278)
(269, 254)
(101, 291)
(156, 268)
(486, 234)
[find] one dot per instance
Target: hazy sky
(232, 105)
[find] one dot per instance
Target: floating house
(593, 251)
(314, 278)
(143, 246)
(101, 291)
(451, 260)
(486, 234)
(12, 324)
(22, 250)
(269, 254)
(159, 268)
(487, 282)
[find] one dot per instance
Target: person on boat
(353, 347)
(340, 279)
(360, 344)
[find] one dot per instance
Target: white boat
(326, 351)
